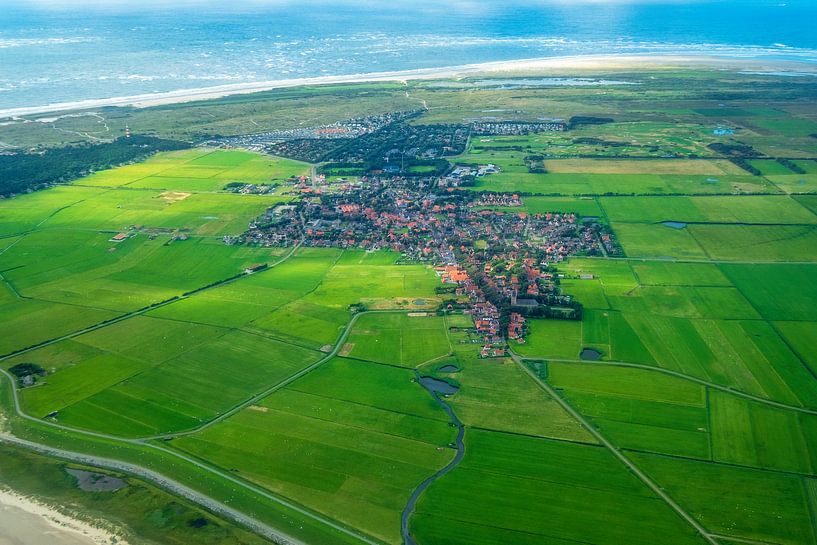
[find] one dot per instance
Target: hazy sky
(460, 5)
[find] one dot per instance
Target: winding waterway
(433, 389)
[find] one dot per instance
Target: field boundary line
(140, 311)
(690, 378)
(652, 485)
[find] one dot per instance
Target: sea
(54, 51)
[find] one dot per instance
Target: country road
(670, 372)
(616, 452)
(164, 482)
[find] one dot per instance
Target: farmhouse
(119, 237)
(255, 268)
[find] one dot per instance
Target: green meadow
(266, 392)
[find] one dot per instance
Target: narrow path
(415, 496)
(617, 453)
(677, 374)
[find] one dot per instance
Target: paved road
(690, 378)
(168, 484)
(173, 486)
(143, 442)
(617, 453)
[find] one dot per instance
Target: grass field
(706, 329)
(741, 503)
(562, 492)
(351, 439)
(398, 339)
(638, 410)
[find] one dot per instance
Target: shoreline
(610, 62)
(44, 524)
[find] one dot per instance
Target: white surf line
(576, 62)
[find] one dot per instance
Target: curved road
(202, 499)
(702, 382)
(161, 480)
(168, 484)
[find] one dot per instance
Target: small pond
(438, 386)
(449, 369)
(590, 354)
(674, 224)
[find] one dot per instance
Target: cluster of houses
(249, 189)
(501, 261)
(464, 174)
(505, 200)
(520, 128)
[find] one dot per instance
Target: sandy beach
(543, 66)
(26, 522)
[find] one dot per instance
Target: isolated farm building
(118, 237)
(255, 268)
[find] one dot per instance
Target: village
(499, 263)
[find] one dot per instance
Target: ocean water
(52, 52)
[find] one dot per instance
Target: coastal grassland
(669, 273)
(496, 394)
(790, 438)
(700, 319)
(638, 409)
(623, 184)
(516, 489)
(213, 170)
(742, 503)
(552, 339)
(84, 268)
(398, 339)
(685, 302)
(754, 209)
(316, 318)
(190, 389)
(142, 511)
(796, 182)
(759, 243)
(747, 355)
(146, 375)
(214, 485)
(616, 141)
(25, 212)
(351, 439)
(777, 291)
(657, 241)
(801, 338)
(151, 166)
(35, 321)
(809, 201)
(207, 214)
(181, 198)
(644, 166)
